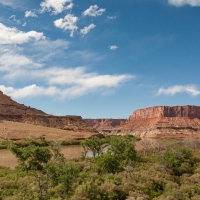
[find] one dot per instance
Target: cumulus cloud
(173, 90)
(87, 29)
(113, 47)
(93, 11)
(67, 23)
(179, 3)
(30, 14)
(56, 7)
(15, 36)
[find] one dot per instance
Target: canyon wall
(106, 123)
(157, 121)
(166, 111)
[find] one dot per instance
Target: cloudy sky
(100, 59)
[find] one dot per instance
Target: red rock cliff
(162, 121)
(166, 111)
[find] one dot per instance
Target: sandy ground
(21, 131)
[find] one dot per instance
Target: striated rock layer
(105, 124)
(161, 121)
(166, 111)
(15, 112)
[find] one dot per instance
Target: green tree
(178, 160)
(120, 153)
(94, 144)
(31, 157)
(123, 148)
(34, 159)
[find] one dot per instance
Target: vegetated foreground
(166, 170)
(21, 131)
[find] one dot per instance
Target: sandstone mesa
(155, 122)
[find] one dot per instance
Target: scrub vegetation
(161, 170)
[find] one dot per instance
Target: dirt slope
(20, 131)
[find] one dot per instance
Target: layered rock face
(166, 111)
(162, 121)
(15, 112)
(105, 124)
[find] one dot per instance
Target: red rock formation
(13, 111)
(161, 121)
(167, 111)
(10, 107)
(100, 124)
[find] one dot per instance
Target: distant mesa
(155, 122)
(188, 111)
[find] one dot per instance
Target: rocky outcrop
(100, 124)
(166, 111)
(15, 112)
(161, 121)
(10, 107)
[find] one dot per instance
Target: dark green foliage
(120, 152)
(108, 163)
(32, 157)
(94, 144)
(178, 161)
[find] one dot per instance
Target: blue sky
(100, 59)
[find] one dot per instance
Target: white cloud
(79, 83)
(87, 29)
(29, 91)
(93, 11)
(61, 82)
(179, 3)
(57, 6)
(11, 62)
(111, 17)
(70, 6)
(15, 19)
(173, 90)
(15, 36)
(67, 23)
(13, 3)
(24, 24)
(30, 14)
(113, 47)
(6, 2)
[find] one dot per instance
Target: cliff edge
(163, 121)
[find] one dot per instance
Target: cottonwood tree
(34, 159)
(48, 166)
(120, 153)
(94, 144)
